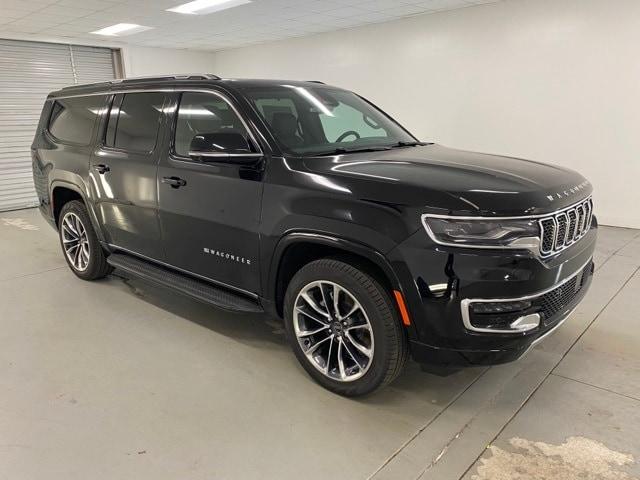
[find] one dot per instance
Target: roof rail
(82, 85)
(186, 76)
(316, 81)
(119, 81)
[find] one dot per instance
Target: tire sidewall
(377, 372)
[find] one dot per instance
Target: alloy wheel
(75, 241)
(333, 330)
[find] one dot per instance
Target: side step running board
(184, 284)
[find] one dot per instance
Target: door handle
(102, 168)
(175, 182)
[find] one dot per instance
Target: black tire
(97, 266)
(391, 346)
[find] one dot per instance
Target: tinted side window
(72, 119)
(133, 124)
(201, 113)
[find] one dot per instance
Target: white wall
(551, 80)
(143, 61)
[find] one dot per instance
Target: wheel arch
(63, 192)
(299, 248)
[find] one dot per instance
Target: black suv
(309, 203)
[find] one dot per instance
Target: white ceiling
(257, 22)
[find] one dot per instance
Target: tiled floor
(119, 379)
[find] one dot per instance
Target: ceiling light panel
(121, 29)
(202, 7)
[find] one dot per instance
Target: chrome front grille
(564, 228)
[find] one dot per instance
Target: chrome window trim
(466, 303)
(516, 245)
(224, 155)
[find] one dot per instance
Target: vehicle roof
(172, 81)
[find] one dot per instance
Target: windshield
(322, 121)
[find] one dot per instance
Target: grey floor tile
(567, 430)
(93, 373)
(631, 250)
(120, 379)
(608, 354)
(29, 244)
(612, 239)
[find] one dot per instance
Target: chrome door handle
(175, 182)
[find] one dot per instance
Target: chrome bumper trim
(466, 303)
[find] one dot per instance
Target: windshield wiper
(342, 151)
(408, 144)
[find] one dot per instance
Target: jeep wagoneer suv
(308, 202)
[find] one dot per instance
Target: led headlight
(483, 232)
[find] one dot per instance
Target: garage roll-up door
(28, 72)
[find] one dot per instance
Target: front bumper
(442, 285)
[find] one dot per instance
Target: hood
(444, 180)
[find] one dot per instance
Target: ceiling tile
(256, 22)
(69, 12)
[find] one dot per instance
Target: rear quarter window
(72, 120)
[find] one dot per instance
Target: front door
(209, 211)
(123, 173)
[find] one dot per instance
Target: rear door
(210, 211)
(124, 173)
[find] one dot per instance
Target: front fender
(329, 240)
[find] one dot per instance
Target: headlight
(479, 233)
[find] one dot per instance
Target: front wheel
(344, 328)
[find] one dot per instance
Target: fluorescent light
(120, 29)
(206, 6)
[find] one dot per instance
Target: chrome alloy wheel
(75, 241)
(333, 331)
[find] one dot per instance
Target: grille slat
(587, 207)
(580, 212)
(561, 236)
(548, 227)
(559, 231)
(573, 216)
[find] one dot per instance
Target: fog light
(526, 323)
(499, 307)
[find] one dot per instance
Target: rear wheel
(80, 244)
(344, 328)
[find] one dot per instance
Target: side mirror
(228, 147)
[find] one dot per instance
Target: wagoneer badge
(227, 256)
(566, 193)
